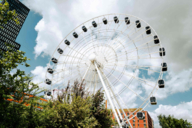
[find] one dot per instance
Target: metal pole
(118, 104)
(115, 104)
(117, 109)
(108, 83)
(108, 95)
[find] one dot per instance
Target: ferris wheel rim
(101, 16)
(160, 76)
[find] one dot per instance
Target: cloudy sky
(50, 21)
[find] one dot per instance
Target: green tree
(99, 111)
(6, 14)
(76, 107)
(71, 109)
(171, 122)
(11, 113)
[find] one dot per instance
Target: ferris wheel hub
(92, 57)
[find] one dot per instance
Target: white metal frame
(76, 58)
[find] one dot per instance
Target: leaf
(27, 65)
(14, 12)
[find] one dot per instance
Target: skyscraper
(11, 30)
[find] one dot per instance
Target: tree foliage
(171, 122)
(6, 14)
(14, 83)
(99, 112)
(76, 107)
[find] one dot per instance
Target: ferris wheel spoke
(80, 60)
(132, 30)
(145, 38)
(139, 48)
(127, 28)
(111, 56)
(73, 57)
(58, 72)
(115, 30)
(145, 43)
(144, 58)
(85, 74)
(133, 40)
(109, 38)
(137, 78)
(72, 78)
(61, 70)
(141, 58)
(123, 89)
(92, 38)
(76, 63)
(119, 24)
(127, 86)
(136, 49)
(68, 81)
(95, 79)
(57, 81)
(142, 43)
(138, 67)
(75, 77)
(71, 73)
(105, 35)
(116, 47)
(137, 31)
(145, 54)
(110, 22)
(76, 51)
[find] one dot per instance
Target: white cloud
(172, 24)
(171, 20)
(60, 17)
(182, 110)
(39, 76)
(174, 83)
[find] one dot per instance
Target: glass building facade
(11, 30)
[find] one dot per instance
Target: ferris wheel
(120, 53)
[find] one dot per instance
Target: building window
(144, 120)
(138, 124)
(144, 124)
(133, 120)
(133, 124)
